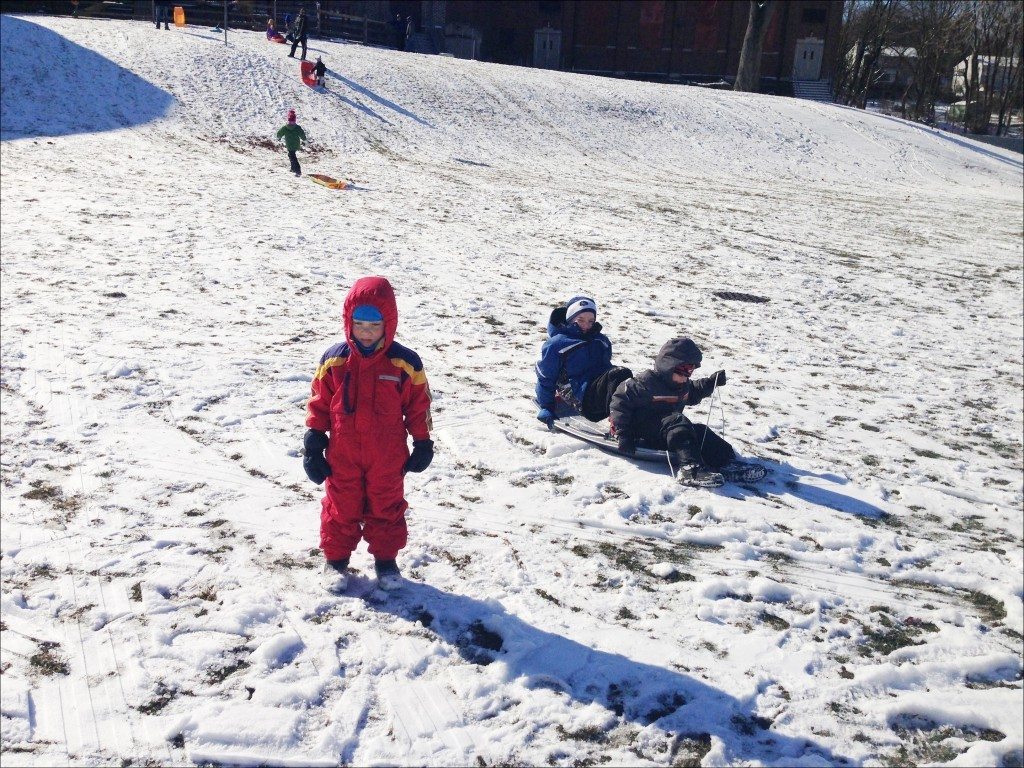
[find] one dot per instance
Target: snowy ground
(168, 287)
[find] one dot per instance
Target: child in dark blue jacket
(575, 365)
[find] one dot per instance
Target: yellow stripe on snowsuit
(326, 365)
(418, 377)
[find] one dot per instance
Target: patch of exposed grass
(42, 492)
(667, 704)
(547, 596)
(689, 750)
(892, 636)
(458, 562)
(289, 561)
(624, 558)
(989, 608)
(161, 698)
(208, 593)
(926, 741)
(590, 733)
(48, 660)
(220, 674)
(773, 621)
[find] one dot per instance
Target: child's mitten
(316, 466)
(422, 455)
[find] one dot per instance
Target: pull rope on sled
(711, 407)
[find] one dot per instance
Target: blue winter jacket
(570, 360)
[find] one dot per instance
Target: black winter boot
(335, 576)
(388, 575)
(699, 476)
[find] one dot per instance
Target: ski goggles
(685, 369)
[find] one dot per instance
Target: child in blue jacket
(575, 366)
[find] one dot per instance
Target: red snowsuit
(367, 404)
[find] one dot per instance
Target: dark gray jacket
(653, 393)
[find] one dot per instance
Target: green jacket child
(294, 137)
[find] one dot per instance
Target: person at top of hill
(294, 137)
(320, 70)
(649, 408)
(368, 392)
(162, 12)
(575, 370)
(299, 32)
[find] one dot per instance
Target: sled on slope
(736, 472)
(277, 37)
(308, 76)
(328, 181)
(590, 432)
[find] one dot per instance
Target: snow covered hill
(167, 288)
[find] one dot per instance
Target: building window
(813, 15)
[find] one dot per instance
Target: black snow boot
(335, 575)
(744, 472)
(388, 575)
(699, 476)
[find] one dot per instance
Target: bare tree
(992, 75)
(939, 31)
(849, 31)
(872, 30)
(748, 76)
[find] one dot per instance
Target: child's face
(367, 333)
(682, 373)
(585, 321)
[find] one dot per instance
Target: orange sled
(327, 181)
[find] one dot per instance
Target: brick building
(672, 40)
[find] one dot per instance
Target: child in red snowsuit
(368, 393)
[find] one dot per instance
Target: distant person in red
(294, 137)
(369, 392)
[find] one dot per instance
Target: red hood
(377, 292)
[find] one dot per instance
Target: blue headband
(367, 313)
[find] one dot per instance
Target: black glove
(422, 455)
(718, 378)
(316, 466)
(627, 444)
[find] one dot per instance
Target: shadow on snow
(637, 692)
(379, 99)
(54, 87)
(785, 478)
